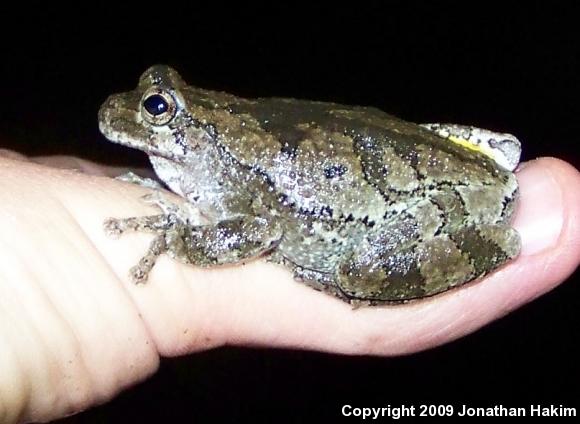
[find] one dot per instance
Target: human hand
(75, 331)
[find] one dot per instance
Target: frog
(355, 202)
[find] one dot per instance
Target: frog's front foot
(190, 238)
(159, 224)
(140, 272)
(165, 225)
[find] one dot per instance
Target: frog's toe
(140, 272)
(113, 227)
(138, 275)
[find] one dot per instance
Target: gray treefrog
(356, 202)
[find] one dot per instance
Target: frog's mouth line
(118, 129)
(120, 137)
(152, 151)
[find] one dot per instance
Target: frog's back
(343, 160)
(261, 131)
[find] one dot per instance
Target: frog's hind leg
(423, 268)
(317, 280)
(503, 148)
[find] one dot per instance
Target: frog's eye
(158, 107)
(155, 105)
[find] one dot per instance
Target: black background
(509, 68)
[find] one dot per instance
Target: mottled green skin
(356, 202)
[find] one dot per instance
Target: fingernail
(539, 215)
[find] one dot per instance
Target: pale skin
(75, 331)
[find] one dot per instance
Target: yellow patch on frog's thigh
(475, 147)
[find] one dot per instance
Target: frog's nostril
(112, 102)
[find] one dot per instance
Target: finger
(74, 163)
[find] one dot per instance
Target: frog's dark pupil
(155, 105)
